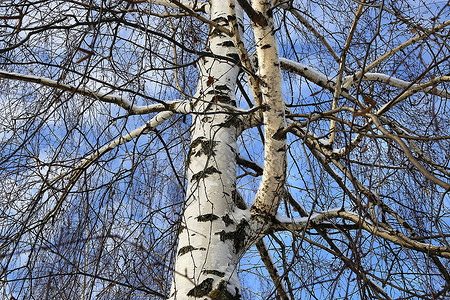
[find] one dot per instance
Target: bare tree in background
(226, 149)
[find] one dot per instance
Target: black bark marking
(205, 173)
(237, 236)
(225, 99)
(279, 135)
(207, 218)
(216, 32)
(238, 200)
(202, 9)
(203, 289)
(214, 272)
(221, 19)
(206, 147)
(266, 46)
(227, 220)
(222, 293)
(207, 119)
(188, 249)
(211, 92)
(232, 17)
(180, 229)
(234, 56)
(230, 121)
(263, 83)
(222, 87)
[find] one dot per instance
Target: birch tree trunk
(215, 231)
(211, 226)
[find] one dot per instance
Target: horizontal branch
(389, 235)
(402, 84)
(317, 77)
(307, 72)
(329, 83)
(303, 223)
(314, 117)
(198, 6)
(420, 87)
(178, 106)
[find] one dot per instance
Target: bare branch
(179, 106)
(89, 160)
(390, 235)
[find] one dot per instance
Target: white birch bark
(269, 193)
(211, 232)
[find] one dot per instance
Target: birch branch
(316, 77)
(311, 28)
(256, 17)
(391, 235)
(200, 17)
(409, 155)
(288, 197)
(179, 106)
(194, 5)
(271, 268)
(414, 89)
(325, 155)
(317, 149)
(396, 50)
(329, 83)
(402, 84)
(337, 90)
(249, 68)
(89, 160)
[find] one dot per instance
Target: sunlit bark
(211, 228)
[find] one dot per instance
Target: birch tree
(224, 149)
